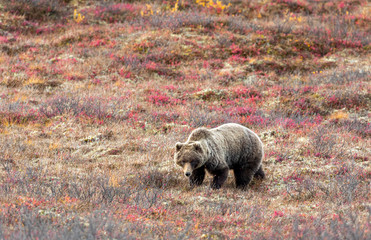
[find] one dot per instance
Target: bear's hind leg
(243, 177)
(260, 173)
(219, 178)
(197, 177)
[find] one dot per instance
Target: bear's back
(237, 142)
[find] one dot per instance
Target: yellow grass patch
(2, 59)
(113, 180)
(53, 146)
(34, 81)
(339, 115)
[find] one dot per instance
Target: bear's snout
(187, 169)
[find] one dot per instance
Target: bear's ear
(178, 146)
(197, 147)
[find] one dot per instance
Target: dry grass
(90, 111)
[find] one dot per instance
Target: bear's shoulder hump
(200, 133)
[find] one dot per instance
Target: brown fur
(217, 150)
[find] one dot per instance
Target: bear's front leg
(197, 177)
(219, 178)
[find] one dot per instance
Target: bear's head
(189, 156)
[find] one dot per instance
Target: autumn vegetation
(95, 94)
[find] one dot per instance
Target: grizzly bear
(217, 150)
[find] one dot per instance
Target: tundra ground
(95, 94)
